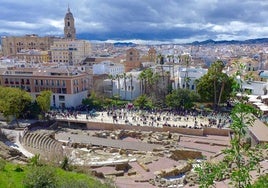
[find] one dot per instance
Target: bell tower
(69, 29)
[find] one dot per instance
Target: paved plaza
(154, 119)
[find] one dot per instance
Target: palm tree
(179, 58)
(111, 77)
(186, 76)
(142, 81)
(160, 59)
(125, 84)
(118, 77)
(131, 85)
(215, 75)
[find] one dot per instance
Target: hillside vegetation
(29, 176)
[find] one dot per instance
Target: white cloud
(172, 19)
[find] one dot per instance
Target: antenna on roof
(68, 8)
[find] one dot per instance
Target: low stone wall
(113, 126)
(188, 131)
(185, 154)
(174, 171)
(216, 131)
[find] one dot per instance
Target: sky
(176, 21)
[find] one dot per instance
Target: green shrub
(2, 164)
(65, 164)
(18, 168)
(261, 182)
(74, 183)
(40, 177)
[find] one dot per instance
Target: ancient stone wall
(185, 154)
(185, 131)
(42, 143)
(215, 131)
(188, 131)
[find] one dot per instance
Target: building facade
(132, 59)
(69, 28)
(152, 55)
(185, 77)
(69, 85)
(12, 45)
(109, 68)
(127, 86)
(70, 52)
(34, 56)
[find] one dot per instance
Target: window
(61, 98)
(54, 100)
(64, 90)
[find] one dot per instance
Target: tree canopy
(43, 100)
(143, 102)
(93, 101)
(13, 101)
(215, 86)
(181, 98)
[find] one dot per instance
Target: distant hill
(124, 44)
(249, 41)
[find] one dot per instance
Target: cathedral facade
(69, 29)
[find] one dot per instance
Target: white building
(127, 86)
(108, 67)
(71, 52)
(256, 87)
(190, 75)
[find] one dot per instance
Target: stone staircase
(43, 143)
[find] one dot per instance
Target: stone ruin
(43, 143)
(120, 164)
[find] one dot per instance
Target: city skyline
(139, 21)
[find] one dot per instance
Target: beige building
(69, 84)
(132, 59)
(34, 56)
(12, 45)
(71, 52)
(152, 55)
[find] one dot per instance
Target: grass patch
(15, 176)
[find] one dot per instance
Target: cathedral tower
(69, 29)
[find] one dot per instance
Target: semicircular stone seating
(42, 143)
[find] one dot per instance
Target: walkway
(81, 138)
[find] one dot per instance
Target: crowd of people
(196, 119)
